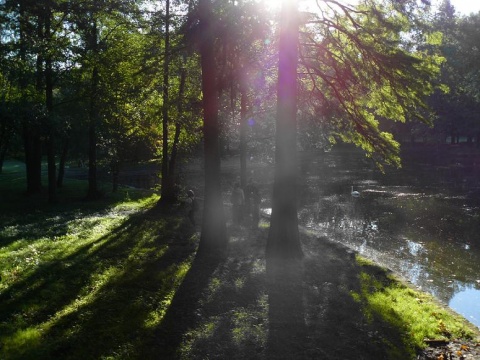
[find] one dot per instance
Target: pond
(421, 221)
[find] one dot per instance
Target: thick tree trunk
(243, 137)
(33, 159)
(213, 239)
(31, 137)
(115, 169)
(283, 237)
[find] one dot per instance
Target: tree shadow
(313, 313)
(286, 313)
(339, 326)
(182, 314)
(137, 265)
(221, 310)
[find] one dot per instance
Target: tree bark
(178, 127)
(31, 138)
(52, 179)
(243, 136)
(167, 188)
(92, 192)
(213, 239)
(61, 163)
(33, 158)
(283, 237)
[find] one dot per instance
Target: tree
(22, 39)
(167, 188)
(283, 238)
(175, 62)
(243, 28)
(96, 24)
(213, 239)
(359, 68)
(364, 70)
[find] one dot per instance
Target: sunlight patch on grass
(15, 345)
(88, 293)
(23, 257)
(258, 267)
(86, 271)
(415, 314)
(204, 333)
(250, 324)
(213, 287)
(239, 330)
(173, 279)
(239, 283)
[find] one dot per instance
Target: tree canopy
(110, 82)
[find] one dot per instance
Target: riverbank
(331, 305)
(337, 308)
(118, 279)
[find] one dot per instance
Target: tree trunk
(61, 163)
(5, 137)
(52, 178)
(92, 192)
(52, 171)
(33, 159)
(115, 168)
(31, 139)
(213, 239)
(283, 237)
(167, 188)
(178, 127)
(243, 136)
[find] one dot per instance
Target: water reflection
(406, 220)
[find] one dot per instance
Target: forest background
(107, 85)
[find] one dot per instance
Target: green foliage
(362, 70)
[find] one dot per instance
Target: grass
(417, 315)
(77, 277)
(117, 279)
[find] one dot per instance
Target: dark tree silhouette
(213, 239)
(283, 238)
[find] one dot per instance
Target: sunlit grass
(85, 280)
(418, 315)
(171, 280)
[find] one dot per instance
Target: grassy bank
(117, 279)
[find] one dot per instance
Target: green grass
(85, 280)
(416, 314)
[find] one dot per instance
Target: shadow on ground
(305, 310)
(157, 304)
